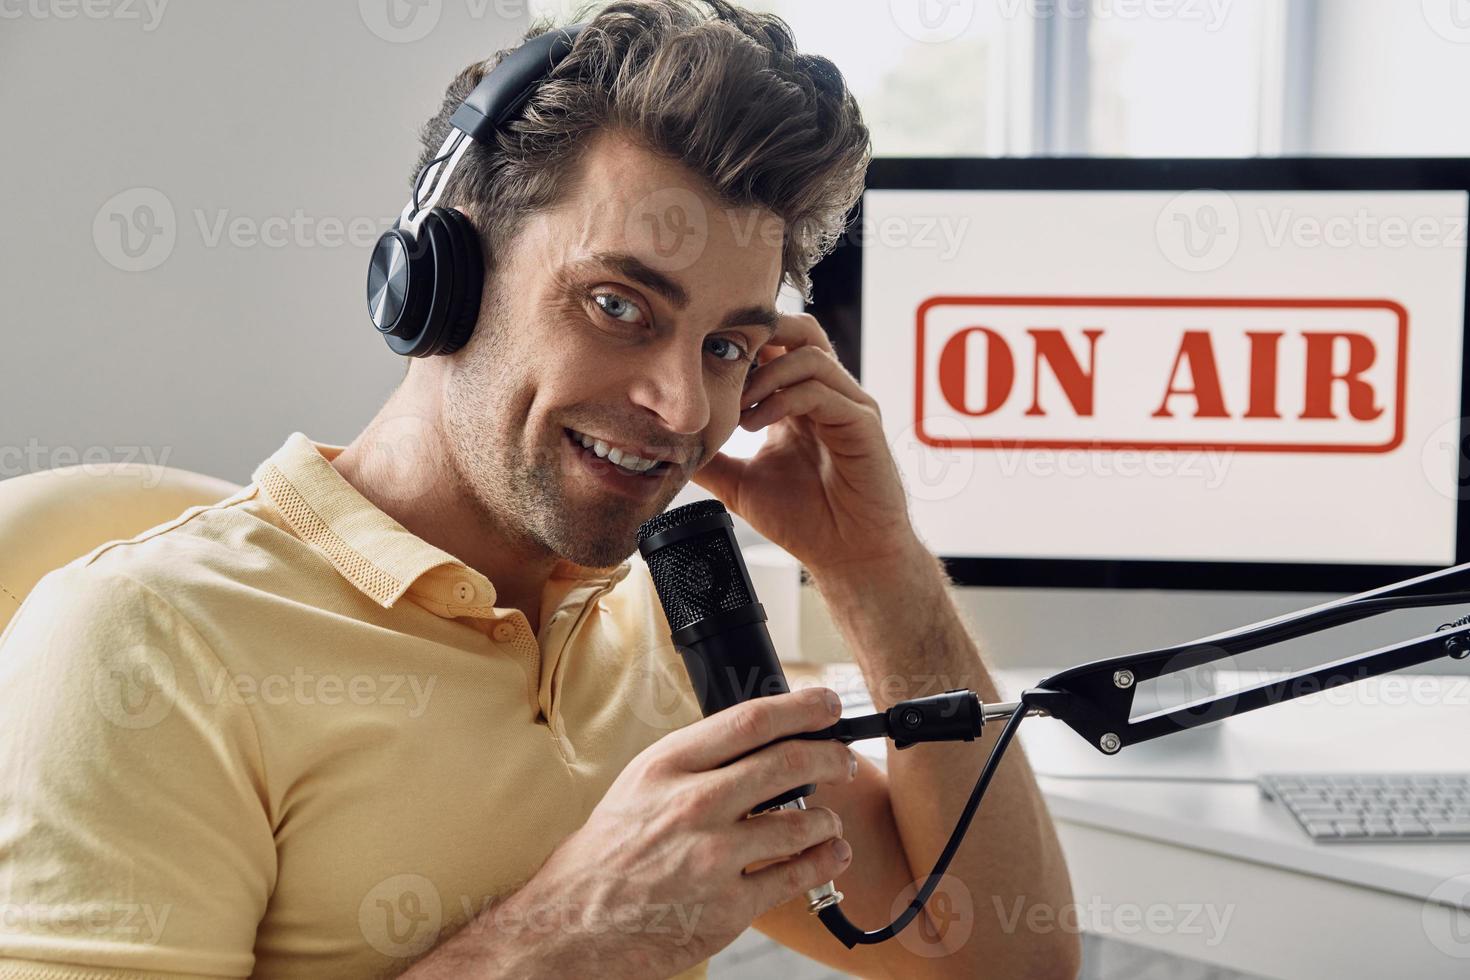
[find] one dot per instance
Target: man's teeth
(619, 457)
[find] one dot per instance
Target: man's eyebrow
(753, 316)
(639, 271)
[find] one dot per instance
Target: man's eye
(731, 351)
(617, 307)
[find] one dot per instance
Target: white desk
(1282, 906)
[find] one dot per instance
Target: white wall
(254, 110)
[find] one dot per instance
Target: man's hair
(720, 89)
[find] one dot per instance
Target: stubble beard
(528, 498)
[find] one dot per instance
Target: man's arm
(907, 636)
(137, 829)
(825, 487)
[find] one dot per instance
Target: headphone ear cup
(399, 287)
(440, 280)
(419, 330)
(469, 280)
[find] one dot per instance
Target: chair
(49, 517)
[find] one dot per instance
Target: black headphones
(427, 271)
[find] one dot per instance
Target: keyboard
(1375, 807)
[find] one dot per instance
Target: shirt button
(504, 632)
(463, 591)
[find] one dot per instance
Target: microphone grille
(697, 576)
(679, 516)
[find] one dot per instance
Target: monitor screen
(1231, 374)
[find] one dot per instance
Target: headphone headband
(426, 272)
(502, 93)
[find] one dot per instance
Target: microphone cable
(850, 935)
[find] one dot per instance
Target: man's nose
(671, 384)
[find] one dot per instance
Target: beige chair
(52, 516)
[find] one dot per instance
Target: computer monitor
(1219, 374)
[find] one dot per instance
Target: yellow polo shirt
(281, 736)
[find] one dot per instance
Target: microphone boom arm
(1095, 699)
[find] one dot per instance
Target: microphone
(717, 625)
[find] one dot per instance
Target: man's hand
(824, 486)
(661, 864)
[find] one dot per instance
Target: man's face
(629, 313)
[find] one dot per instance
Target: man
(403, 705)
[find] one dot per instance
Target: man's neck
(399, 464)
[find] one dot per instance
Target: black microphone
(716, 623)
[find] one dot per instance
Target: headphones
(427, 271)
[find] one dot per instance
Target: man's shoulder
(197, 563)
(202, 543)
(203, 588)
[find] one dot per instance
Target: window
(1187, 82)
(934, 77)
(1149, 77)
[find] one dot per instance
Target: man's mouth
(621, 459)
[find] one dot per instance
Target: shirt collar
(371, 550)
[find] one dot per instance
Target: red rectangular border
(1173, 301)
